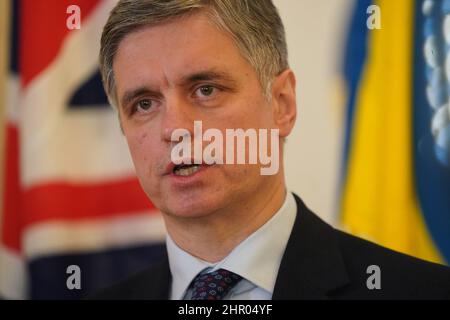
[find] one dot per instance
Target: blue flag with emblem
(396, 181)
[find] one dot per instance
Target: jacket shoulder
(400, 275)
(150, 283)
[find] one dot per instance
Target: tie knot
(213, 285)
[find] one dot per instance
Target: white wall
(316, 31)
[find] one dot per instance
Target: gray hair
(255, 26)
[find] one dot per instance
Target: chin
(192, 207)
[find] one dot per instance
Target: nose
(178, 114)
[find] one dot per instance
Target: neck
(213, 237)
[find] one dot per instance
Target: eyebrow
(210, 75)
(131, 94)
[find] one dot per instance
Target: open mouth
(185, 169)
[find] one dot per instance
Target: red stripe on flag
(11, 224)
(42, 32)
(61, 201)
(69, 202)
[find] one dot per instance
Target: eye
(205, 91)
(144, 105)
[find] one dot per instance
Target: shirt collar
(183, 266)
(257, 258)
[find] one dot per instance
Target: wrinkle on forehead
(204, 47)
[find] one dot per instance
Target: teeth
(186, 171)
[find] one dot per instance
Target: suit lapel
(154, 283)
(312, 264)
(162, 281)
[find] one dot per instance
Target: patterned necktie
(214, 285)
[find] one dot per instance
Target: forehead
(174, 49)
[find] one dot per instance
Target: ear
(284, 102)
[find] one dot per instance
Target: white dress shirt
(256, 259)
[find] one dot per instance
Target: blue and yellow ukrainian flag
(396, 182)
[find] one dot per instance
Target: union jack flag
(70, 193)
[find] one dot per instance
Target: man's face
(169, 76)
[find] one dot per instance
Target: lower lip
(192, 177)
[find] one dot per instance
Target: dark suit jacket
(320, 262)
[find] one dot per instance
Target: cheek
(139, 146)
(256, 113)
(242, 115)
